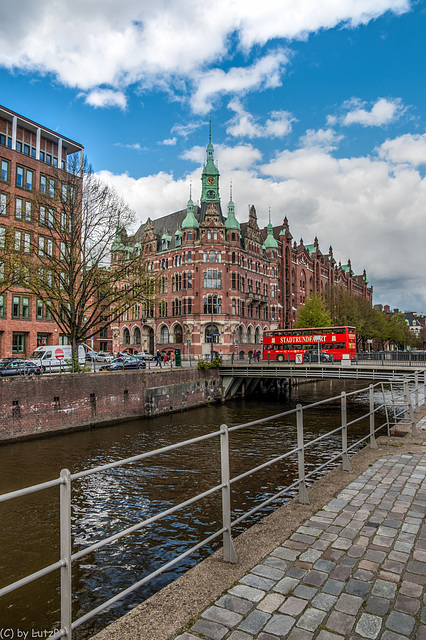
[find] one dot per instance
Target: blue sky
(318, 112)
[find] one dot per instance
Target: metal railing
(397, 401)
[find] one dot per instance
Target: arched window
(240, 335)
(126, 336)
(164, 335)
(212, 256)
(250, 335)
(257, 336)
(212, 304)
(211, 332)
(178, 334)
(137, 336)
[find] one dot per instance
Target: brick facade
(30, 155)
(215, 275)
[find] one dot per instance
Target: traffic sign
(298, 358)
(59, 354)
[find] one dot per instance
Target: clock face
(210, 180)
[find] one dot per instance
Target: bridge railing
(393, 400)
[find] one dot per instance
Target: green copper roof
(117, 245)
(270, 242)
(231, 221)
(190, 221)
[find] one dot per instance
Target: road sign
(59, 354)
(298, 359)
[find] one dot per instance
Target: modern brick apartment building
(221, 280)
(30, 157)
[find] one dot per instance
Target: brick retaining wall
(42, 405)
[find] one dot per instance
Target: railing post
(386, 409)
(409, 408)
(303, 494)
(229, 553)
(65, 536)
(346, 466)
(373, 443)
(416, 390)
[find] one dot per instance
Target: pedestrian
(172, 358)
(158, 363)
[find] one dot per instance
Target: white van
(56, 357)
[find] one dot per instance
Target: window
(19, 146)
(28, 211)
(42, 217)
(2, 139)
(4, 171)
(41, 244)
(25, 307)
(3, 204)
(164, 335)
(43, 183)
(20, 177)
(19, 203)
(40, 310)
(234, 308)
(27, 149)
(62, 251)
(18, 343)
(27, 243)
(190, 280)
(51, 188)
(1, 306)
(29, 179)
(212, 304)
(162, 309)
(2, 237)
(212, 256)
(18, 240)
(212, 279)
(16, 305)
(211, 334)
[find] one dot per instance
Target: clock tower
(210, 175)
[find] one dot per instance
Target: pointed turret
(190, 221)
(210, 175)
(231, 222)
(270, 242)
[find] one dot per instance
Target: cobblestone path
(355, 569)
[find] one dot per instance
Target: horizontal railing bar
(33, 576)
(140, 583)
(140, 525)
(263, 504)
(28, 490)
(142, 456)
(262, 466)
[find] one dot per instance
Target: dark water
(106, 503)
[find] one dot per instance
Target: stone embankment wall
(42, 405)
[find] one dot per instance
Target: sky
(318, 113)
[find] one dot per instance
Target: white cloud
(383, 112)
(106, 98)
(134, 147)
(410, 149)
(169, 142)
(87, 44)
(244, 124)
(262, 74)
(326, 139)
(239, 157)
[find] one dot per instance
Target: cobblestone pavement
(355, 569)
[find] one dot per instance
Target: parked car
(312, 356)
(145, 356)
(19, 367)
(100, 356)
(124, 362)
(10, 359)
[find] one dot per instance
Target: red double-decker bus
(285, 344)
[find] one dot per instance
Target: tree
(313, 313)
(71, 270)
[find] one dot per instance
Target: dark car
(124, 362)
(142, 355)
(19, 368)
(312, 356)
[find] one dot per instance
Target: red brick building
(221, 282)
(30, 157)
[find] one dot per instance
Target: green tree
(313, 313)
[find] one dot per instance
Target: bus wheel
(280, 358)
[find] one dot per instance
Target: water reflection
(108, 502)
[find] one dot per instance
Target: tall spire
(270, 242)
(190, 221)
(231, 221)
(210, 175)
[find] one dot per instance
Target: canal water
(106, 503)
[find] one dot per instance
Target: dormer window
(178, 240)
